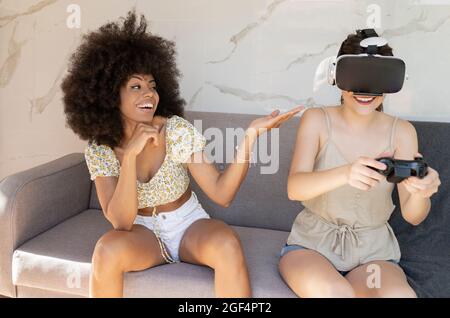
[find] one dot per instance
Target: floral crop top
(171, 180)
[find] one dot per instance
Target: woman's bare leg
(215, 244)
(309, 274)
(391, 281)
(117, 252)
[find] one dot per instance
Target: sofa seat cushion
(59, 260)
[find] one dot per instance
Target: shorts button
(164, 217)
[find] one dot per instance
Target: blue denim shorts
(288, 248)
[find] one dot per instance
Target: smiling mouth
(364, 100)
(146, 106)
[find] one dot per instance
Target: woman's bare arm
(303, 183)
(222, 187)
(118, 195)
(413, 193)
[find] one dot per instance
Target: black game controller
(399, 170)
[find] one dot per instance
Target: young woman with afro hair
(121, 94)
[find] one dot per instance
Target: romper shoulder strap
(327, 117)
(393, 130)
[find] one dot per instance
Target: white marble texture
(240, 56)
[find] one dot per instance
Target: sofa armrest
(35, 200)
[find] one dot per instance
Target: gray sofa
(50, 220)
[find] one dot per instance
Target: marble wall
(240, 56)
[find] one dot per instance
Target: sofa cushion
(30, 292)
(59, 260)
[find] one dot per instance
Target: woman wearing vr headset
(122, 95)
(341, 244)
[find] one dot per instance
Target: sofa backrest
(426, 248)
(262, 199)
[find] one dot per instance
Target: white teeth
(365, 100)
(148, 105)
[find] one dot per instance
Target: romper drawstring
(340, 234)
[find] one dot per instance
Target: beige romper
(347, 225)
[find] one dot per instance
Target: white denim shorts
(172, 225)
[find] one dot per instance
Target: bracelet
(250, 153)
(244, 160)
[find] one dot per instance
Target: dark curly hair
(103, 63)
(351, 45)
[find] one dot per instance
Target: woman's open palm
(273, 120)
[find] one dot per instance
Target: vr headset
(368, 73)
